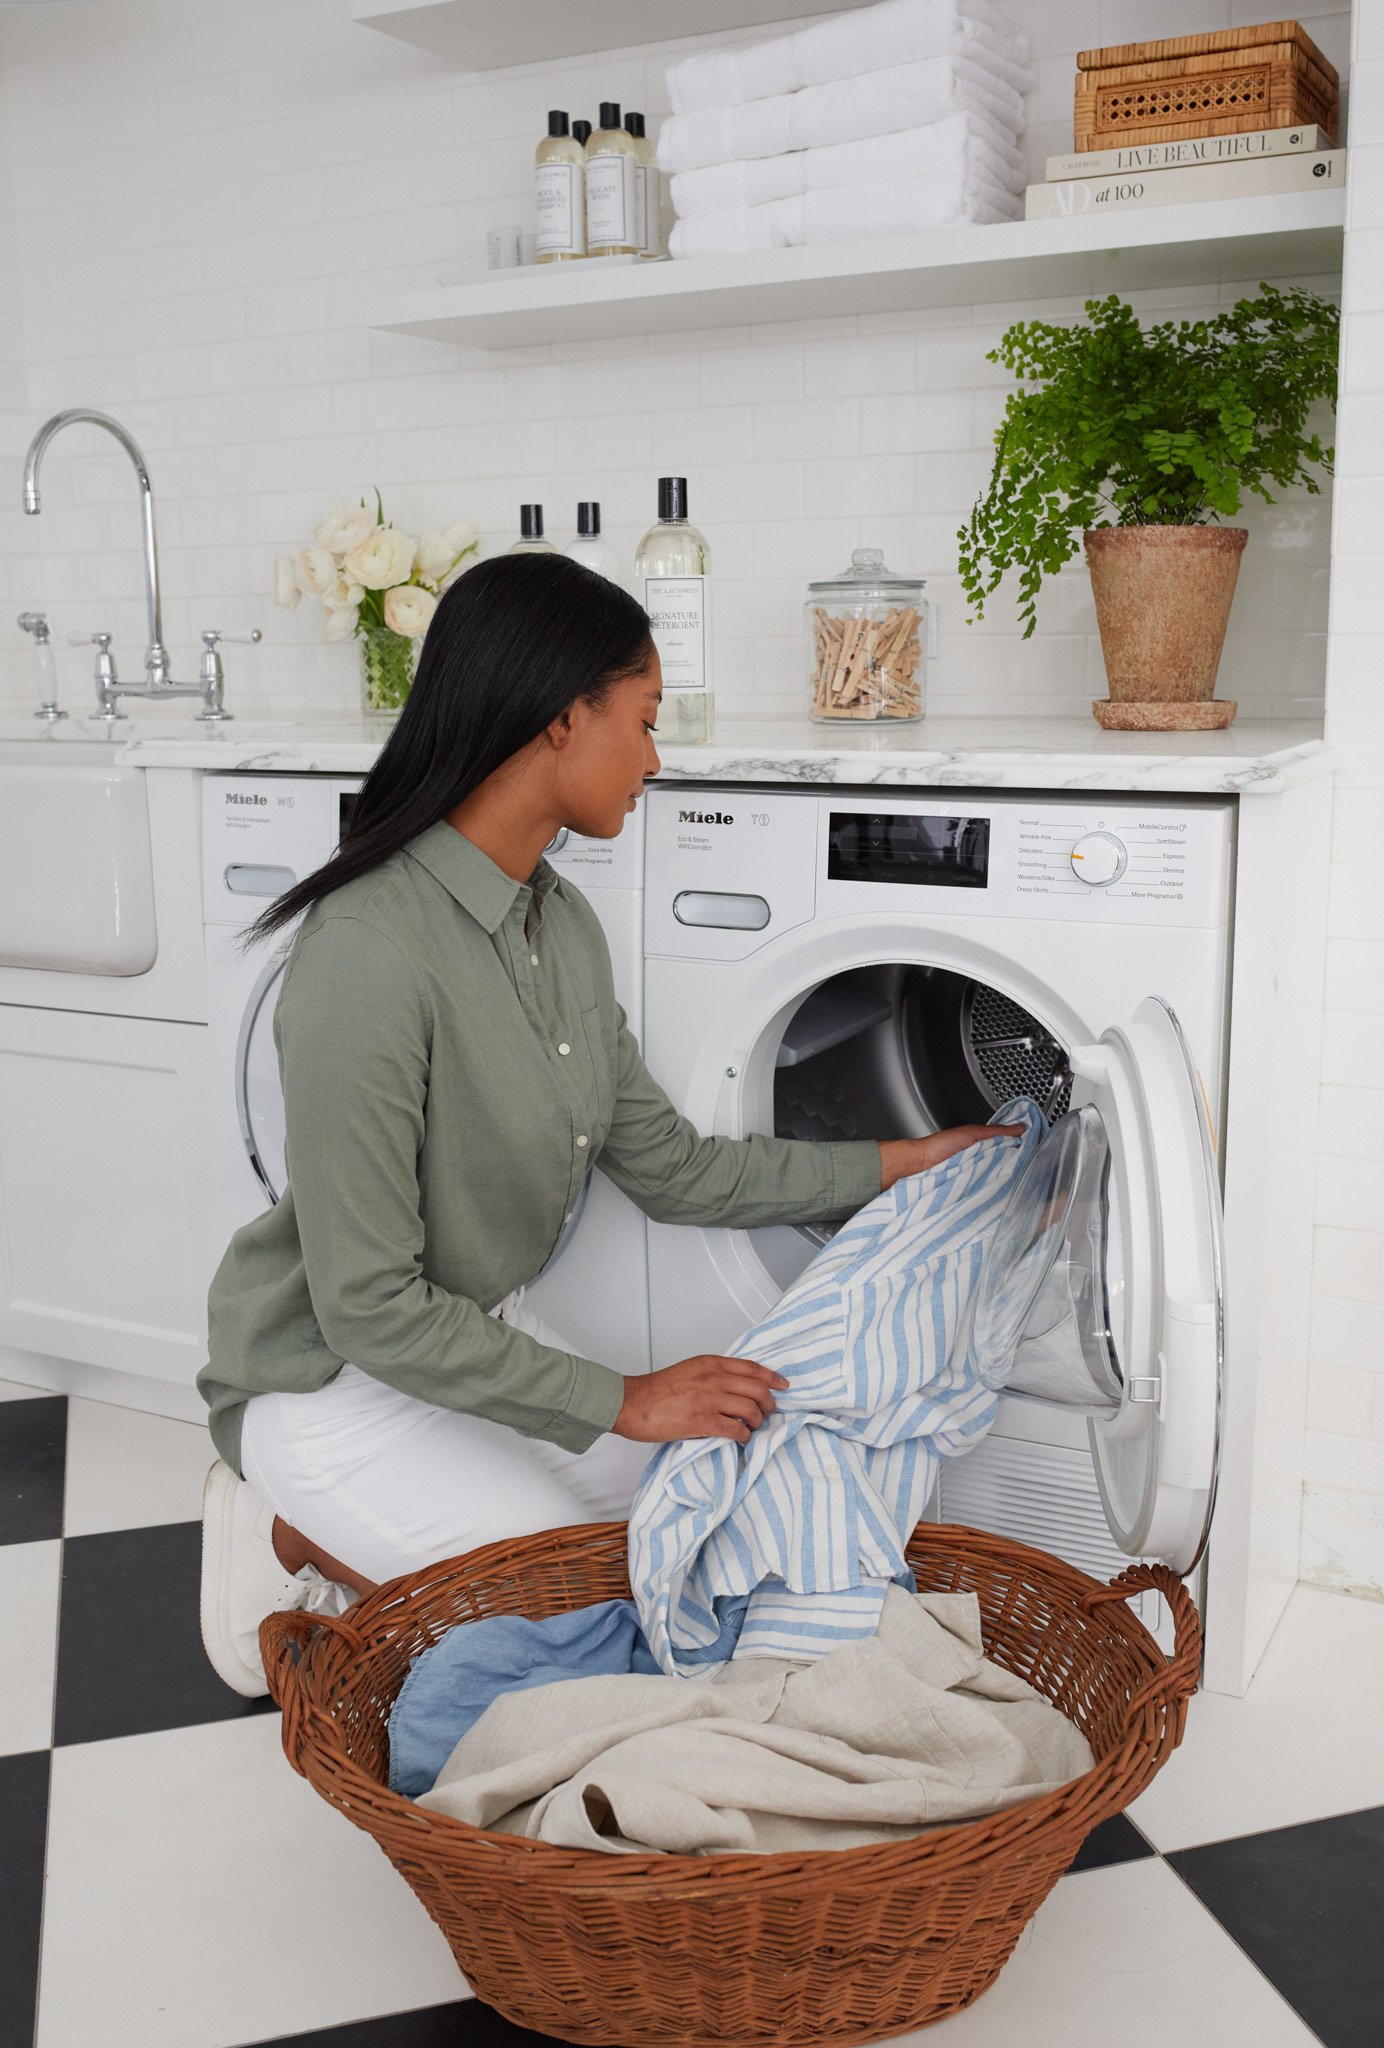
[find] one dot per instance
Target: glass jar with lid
(866, 633)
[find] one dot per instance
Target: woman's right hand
(703, 1396)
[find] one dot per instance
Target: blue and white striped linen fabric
(784, 1546)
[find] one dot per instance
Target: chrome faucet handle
(35, 623)
(108, 709)
(212, 676)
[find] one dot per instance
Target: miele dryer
(261, 833)
(881, 965)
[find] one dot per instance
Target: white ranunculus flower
(344, 527)
(339, 622)
(435, 556)
(460, 537)
(344, 596)
(286, 591)
(380, 561)
(318, 571)
(409, 610)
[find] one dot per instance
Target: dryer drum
(929, 1048)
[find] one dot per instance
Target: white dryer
(260, 834)
(880, 965)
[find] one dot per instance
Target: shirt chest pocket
(597, 1068)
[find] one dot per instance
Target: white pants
(386, 1484)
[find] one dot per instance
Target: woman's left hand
(901, 1157)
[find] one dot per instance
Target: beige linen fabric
(881, 1739)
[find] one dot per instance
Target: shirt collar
(486, 892)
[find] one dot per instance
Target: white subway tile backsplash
(813, 428)
(1340, 1398)
(1346, 1264)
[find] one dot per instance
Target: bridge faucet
(158, 680)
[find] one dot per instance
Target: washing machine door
(1137, 1281)
(259, 1097)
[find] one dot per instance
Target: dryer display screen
(900, 846)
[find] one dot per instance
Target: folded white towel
(898, 32)
(847, 213)
(876, 103)
(925, 153)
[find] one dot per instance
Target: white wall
(209, 193)
(1343, 1521)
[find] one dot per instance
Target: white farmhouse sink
(76, 878)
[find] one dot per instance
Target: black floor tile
(130, 1656)
(1307, 1905)
(33, 1452)
(24, 1807)
(1114, 1841)
(468, 2024)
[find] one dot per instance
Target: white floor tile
(28, 1643)
(200, 1892)
(128, 1470)
(1128, 1955)
(1303, 1743)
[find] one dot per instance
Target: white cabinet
(109, 1230)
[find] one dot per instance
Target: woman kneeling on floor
(453, 1062)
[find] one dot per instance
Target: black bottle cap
(634, 125)
(588, 519)
(581, 130)
(531, 522)
(610, 113)
(672, 497)
(557, 121)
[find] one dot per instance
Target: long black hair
(512, 645)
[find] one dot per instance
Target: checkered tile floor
(166, 1881)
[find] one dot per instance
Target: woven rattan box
(841, 1947)
(1230, 82)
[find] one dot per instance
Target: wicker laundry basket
(834, 1946)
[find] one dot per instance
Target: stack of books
(1270, 160)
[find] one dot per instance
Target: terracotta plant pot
(1163, 598)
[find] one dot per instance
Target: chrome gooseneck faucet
(158, 680)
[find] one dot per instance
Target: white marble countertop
(1251, 756)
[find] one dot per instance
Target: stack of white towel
(888, 121)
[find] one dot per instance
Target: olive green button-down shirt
(453, 1061)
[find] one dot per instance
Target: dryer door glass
(258, 1096)
(1039, 1314)
(1161, 1317)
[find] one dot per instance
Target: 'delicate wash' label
(558, 219)
(610, 201)
(677, 622)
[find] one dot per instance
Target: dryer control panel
(730, 870)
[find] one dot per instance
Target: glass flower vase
(386, 669)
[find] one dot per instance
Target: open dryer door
(1103, 1290)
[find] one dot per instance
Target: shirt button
(581, 1141)
(564, 1048)
(534, 958)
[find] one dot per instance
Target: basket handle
(1178, 1681)
(283, 1638)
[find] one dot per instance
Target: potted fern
(1138, 442)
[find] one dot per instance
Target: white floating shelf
(1295, 234)
(484, 35)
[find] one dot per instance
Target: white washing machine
(261, 833)
(881, 965)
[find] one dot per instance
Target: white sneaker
(242, 1581)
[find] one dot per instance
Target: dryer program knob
(1099, 858)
